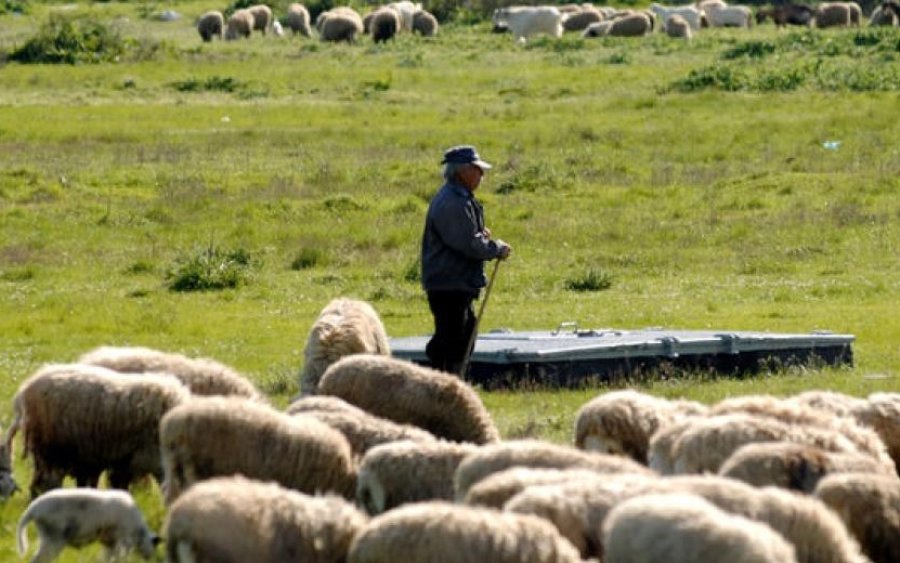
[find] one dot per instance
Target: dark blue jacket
(454, 246)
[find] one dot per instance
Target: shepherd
(455, 245)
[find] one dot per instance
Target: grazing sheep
(441, 532)
(832, 14)
(526, 21)
(869, 505)
(80, 420)
(425, 24)
(536, 454)
(262, 17)
(728, 16)
(496, 489)
(384, 25)
(342, 24)
(634, 25)
(345, 326)
(883, 17)
(622, 422)
(678, 27)
(690, 13)
(881, 412)
(201, 375)
(78, 517)
(297, 20)
(793, 466)
(403, 472)
(406, 393)
(217, 436)
(238, 519)
(679, 528)
(240, 24)
(362, 430)
(211, 24)
(406, 10)
(578, 21)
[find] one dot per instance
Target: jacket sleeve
(458, 226)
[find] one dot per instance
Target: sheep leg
(45, 478)
(48, 550)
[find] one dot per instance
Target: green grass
(689, 208)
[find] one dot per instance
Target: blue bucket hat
(464, 154)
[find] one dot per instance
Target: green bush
(308, 258)
(592, 280)
(71, 40)
(209, 268)
(14, 7)
(211, 84)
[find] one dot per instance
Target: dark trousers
(454, 323)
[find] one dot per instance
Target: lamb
(496, 489)
(340, 24)
(793, 466)
(440, 531)
(362, 430)
(682, 528)
(262, 17)
(211, 24)
(202, 376)
(297, 19)
(217, 436)
(527, 21)
(384, 25)
(532, 453)
(425, 24)
(409, 394)
(678, 27)
(80, 420)
(622, 422)
(690, 13)
(240, 24)
(634, 25)
(78, 517)
(403, 472)
(869, 505)
(344, 326)
(246, 520)
(832, 14)
(728, 16)
(578, 21)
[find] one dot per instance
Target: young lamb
(211, 24)
(78, 517)
(238, 519)
(344, 326)
(448, 533)
(409, 394)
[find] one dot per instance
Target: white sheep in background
(869, 505)
(536, 454)
(448, 533)
(339, 24)
(211, 24)
(405, 9)
(403, 472)
(262, 17)
(631, 25)
(80, 420)
(690, 14)
(679, 528)
(622, 422)
(297, 19)
(410, 394)
(202, 376)
(78, 517)
(239, 25)
(219, 436)
(678, 28)
(728, 16)
(238, 519)
(794, 466)
(527, 21)
(344, 326)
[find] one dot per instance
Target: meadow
(747, 180)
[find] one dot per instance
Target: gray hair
(451, 170)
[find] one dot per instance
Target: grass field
(695, 177)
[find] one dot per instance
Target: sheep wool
(384, 24)
(440, 532)
(297, 20)
(409, 394)
(246, 520)
(678, 28)
(495, 490)
(340, 24)
(211, 24)
(240, 25)
(425, 24)
(262, 17)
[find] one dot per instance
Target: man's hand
(505, 250)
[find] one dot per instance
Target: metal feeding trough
(573, 357)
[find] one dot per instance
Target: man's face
(471, 176)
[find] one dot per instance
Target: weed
(592, 280)
(209, 268)
(70, 40)
(308, 258)
(211, 84)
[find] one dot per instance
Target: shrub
(592, 280)
(749, 49)
(71, 40)
(307, 258)
(209, 268)
(211, 84)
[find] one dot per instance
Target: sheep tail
(13, 429)
(22, 532)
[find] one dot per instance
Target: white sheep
(344, 326)
(78, 517)
(80, 420)
(449, 533)
(203, 376)
(680, 528)
(403, 472)
(297, 19)
(238, 519)
(240, 25)
(833, 14)
(677, 27)
(632, 25)
(262, 17)
(690, 13)
(869, 505)
(728, 16)
(410, 394)
(496, 489)
(580, 19)
(211, 24)
(536, 454)
(406, 10)
(339, 24)
(527, 21)
(219, 436)
(838, 404)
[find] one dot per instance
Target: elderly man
(455, 246)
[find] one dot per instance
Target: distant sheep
(78, 517)
(201, 375)
(833, 14)
(527, 21)
(433, 531)
(883, 17)
(578, 21)
(238, 519)
(384, 25)
(679, 528)
(677, 27)
(869, 505)
(297, 20)
(219, 436)
(403, 472)
(80, 420)
(211, 24)
(729, 16)
(262, 17)
(425, 24)
(341, 24)
(881, 413)
(345, 326)
(409, 394)
(634, 25)
(406, 10)
(690, 14)
(240, 25)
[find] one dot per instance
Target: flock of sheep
(379, 460)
